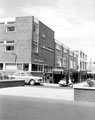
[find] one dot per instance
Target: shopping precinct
(27, 44)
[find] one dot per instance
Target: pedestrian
(70, 82)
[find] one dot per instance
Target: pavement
(47, 91)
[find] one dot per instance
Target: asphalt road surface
(29, 108)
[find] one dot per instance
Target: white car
(27, 76)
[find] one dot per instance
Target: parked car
(27, 76)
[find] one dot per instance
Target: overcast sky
(72, 20)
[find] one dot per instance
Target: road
(29, 108)
(43, 103)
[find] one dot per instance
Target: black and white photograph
(47, 60)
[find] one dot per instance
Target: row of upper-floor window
(10, 46)
(35, 29)
(62, 62)
(35, 44)
(83, 65)
(83, 56)
(66, 50)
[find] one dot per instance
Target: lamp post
(15, 56)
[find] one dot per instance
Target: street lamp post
(15, 56)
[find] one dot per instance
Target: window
(75, 55)
(71, 64)
(35, 47)
(26, 67)
(36, 28)
(11, 41)
(74, 65)
(58, 47)
(9, 48)
(58, 61)
(1, 42)
(1, 66)
(48, 68)
(23, 74)
(65, 50)
(12, 22)
(19, 66)
(36, 67)
(10, 28)
(42, 34)
(17, 74)
(71, 53)
(10, 66)
(64, 62)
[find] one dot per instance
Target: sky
(72, 20)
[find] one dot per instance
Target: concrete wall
(11, 83)
(84, 94)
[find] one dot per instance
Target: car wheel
(32, 82)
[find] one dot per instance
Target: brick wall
(45, 55)
(22, 37)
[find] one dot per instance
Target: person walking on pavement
(70, 82)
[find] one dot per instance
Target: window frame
(11, 50)
(10, 27)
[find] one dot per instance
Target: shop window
(36, 67)
(19, 66)
(47, 68)
(25, 67)
(9, 48)
(1, 66)
(10, 66)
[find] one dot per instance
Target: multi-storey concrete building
(66, 62)
(82, 65)
(26, 44)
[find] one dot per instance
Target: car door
(16, 76)
(24, 77)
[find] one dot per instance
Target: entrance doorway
(57, 78)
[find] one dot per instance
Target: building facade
(82, 65)
(66, 62)
(26, 44)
